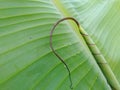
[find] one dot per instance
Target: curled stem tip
(53, 50)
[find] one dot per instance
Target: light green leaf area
(26, 60)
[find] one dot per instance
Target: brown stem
(51, 45)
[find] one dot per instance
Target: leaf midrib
(75, 29)
(71, 24)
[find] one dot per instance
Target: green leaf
(26, 60)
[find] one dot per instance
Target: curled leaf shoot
(105, 68)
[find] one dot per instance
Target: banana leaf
(26, 59)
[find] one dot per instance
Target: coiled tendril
(53, 50)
